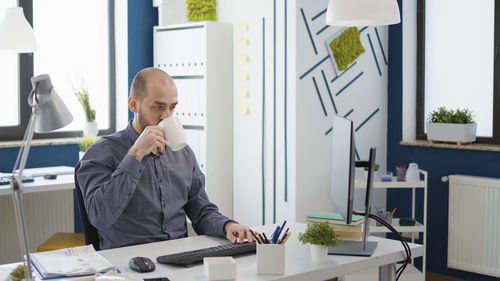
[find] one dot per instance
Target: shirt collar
(131, 132)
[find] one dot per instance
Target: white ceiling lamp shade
(16, 33)
(362, 12)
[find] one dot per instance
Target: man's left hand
(236, 232)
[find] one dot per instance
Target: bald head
(139, 87)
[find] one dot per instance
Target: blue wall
(438, 163)
(141, 19)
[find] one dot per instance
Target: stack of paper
(354, 230)
(75, 261)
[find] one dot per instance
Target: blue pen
(273, 237)
(276, 239)
(284, 235)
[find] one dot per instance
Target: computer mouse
(141, 264)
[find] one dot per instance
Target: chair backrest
(89, 231)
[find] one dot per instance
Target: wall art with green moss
(199, 10)
(344, 48)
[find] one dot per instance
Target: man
(136, 190)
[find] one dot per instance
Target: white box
(270, 258)
(219, 268)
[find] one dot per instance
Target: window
(76, 48)
(457, 62)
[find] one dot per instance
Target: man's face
(158, 104)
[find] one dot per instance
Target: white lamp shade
(362, 12)
(16, 33)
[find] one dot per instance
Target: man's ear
(133, 104)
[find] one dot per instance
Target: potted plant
(17, 274)
(90, 127)
(365, 171)
(451, 126)
(84, 144)
(320, 236)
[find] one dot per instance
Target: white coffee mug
(174, 133)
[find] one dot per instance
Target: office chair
(90, 232)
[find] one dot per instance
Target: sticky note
(243, 41)
(243, 93)
(243, 74)
(243, 26)
(243, 109)
(243, 57)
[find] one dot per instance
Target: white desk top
(298, 264)
(40, 184)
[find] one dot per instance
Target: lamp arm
(17, 193)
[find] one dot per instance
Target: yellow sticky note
(243, 74)
(243, 26)
(243, 41)
(243, 92)
(243, 57)
(243, 109)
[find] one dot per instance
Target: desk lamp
(48, 113)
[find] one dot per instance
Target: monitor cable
(403, 241)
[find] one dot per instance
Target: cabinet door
(181, 51)
(192, 97)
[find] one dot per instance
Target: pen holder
(400, 173)
(270, 258)
(387, 217)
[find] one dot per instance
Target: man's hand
(236, 233)
(151, 139)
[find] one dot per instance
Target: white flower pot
(451, 132)
(90, 129)
(318, 253)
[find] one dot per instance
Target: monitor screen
(343, 167)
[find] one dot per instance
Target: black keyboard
(6, 179)
(189, 257)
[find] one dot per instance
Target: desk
(298, 264)
(48, 208)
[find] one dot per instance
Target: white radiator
(46, 213)
(474, 224)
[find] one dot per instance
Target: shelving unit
(411, 273)
(197, 56)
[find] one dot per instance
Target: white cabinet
(198, 56)
(410, 273)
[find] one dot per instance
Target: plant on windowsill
(451, 126)
(320, 236)
(90, 127)
(17, 274)
(84, 144)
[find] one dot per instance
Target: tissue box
(219, 268)
(270, 258)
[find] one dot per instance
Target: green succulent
(458, 116)
(86, 142)
(83, 97)
(17, 274)
(320, 233)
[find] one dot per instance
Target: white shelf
(418, 227)
(361, 183)
(411, 273)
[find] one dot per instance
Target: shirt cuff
(131, 166)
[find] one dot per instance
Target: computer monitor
(342, 185)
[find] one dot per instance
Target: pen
(276, 231)
(265, 238)
(261, 238)
(279, 232)
(284, 234)
(286, 238)
(393, 211)
(254, 236)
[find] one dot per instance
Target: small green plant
(17, 274)
(458, 116)
(86, 142)
(377, 166)
(83, 97)
(320, 233)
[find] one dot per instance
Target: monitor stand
(361, 248)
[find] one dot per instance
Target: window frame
(10, 133)
(495, 139)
